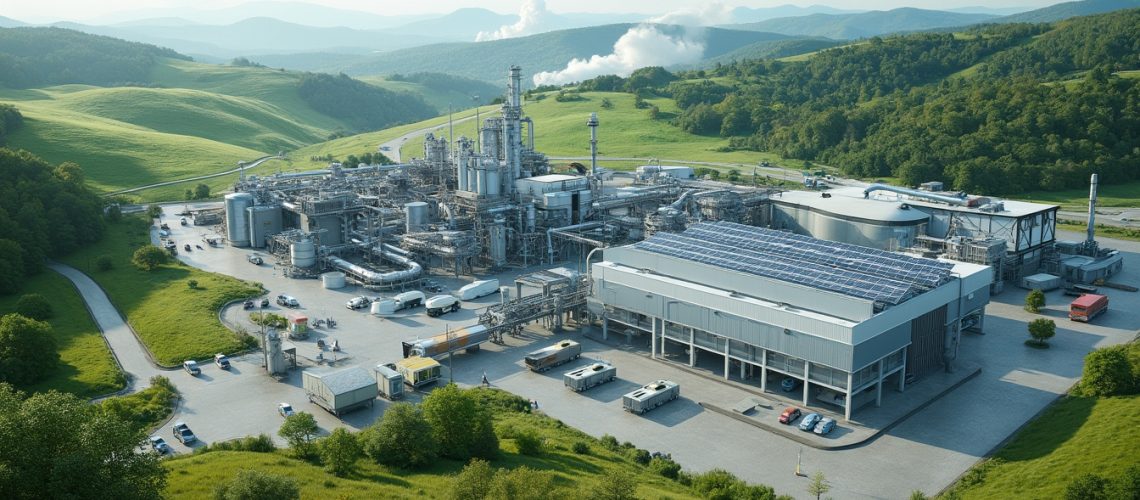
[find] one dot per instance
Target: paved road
(255, 163)
(393, 151)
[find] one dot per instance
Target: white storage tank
(274, 354)
(264, 221)
(333, 280)
(237, 218)
(417, 216)
(383, 307)
(303, 254)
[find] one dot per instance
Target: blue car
(825, 426)
(809, 421)
(789, 384)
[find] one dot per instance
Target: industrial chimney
(593, 124)
(1091, 239)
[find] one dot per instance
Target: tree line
(10, 120)
(362, 106)
(36, 57)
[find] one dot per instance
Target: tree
(1034, 301)
(522, 483)
(188, 194)
(192, 284)
(614, 485)
(153, 211)
(340, 451)
(114, 213)
(607, 103)
(249, 484)
(1127, 486)
(402, 438)
(459, 425)
(818, 485)
(473, 482)
(11, 266)
(1107, 372)
(35, 306)
(1087, 487)
(55, 445)
(27, 350)
(1042, 329)
(299, 430)
(148, 257)
(104, 263)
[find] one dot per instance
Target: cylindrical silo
(303, 254)
(333, 280)
(264, 221)
(417, 216)
(494, 183)
(274, 355)
(237, 219)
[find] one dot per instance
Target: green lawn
(1120, 233)
(195, 476)
(175, 322)
(86, 367)
(1076, 436)
(1107, 195)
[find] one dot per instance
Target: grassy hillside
(866, 24)
(1066, 10)
(86, 366)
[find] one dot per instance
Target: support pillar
(902, 372)
(763, 370)
(879, 387)
(847, 398)
(742, 370)
(807, 366)
(726, 360)
(692, 348)
(605, 327)
(652, 337)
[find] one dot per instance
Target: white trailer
(478, 289)
(340, 391)
(549, 357)
(441, 304)
(589, 376)
(389, 381)
(650, 396)
(408, 300)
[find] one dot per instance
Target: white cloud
(532, 13)
(713, 13)
(643, 45)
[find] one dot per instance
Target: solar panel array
(862, 272)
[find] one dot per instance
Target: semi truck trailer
(549, 357)
(650, 396)
(589, 376)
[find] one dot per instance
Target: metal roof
(347, 379)
(867, 273)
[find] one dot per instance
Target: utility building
(845, 319)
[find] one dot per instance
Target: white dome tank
(303, 254)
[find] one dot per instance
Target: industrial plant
(846, 290)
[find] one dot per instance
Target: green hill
(488, 61)
(1067, 10)
(865, 24)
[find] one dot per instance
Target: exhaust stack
(593, 124)
(1091, 239)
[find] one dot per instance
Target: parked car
(809, 421)
(159, 445)
(287, 301)
(284, 409)
(183, 433)
(825, 426)
(182, 221)
(789, 415)
(222, 361)
(358, 302)
(255, 259)
(789, 384)
(247, 305)
(191, 367)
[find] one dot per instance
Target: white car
(358, 302)
(285, 409)
(159, 445)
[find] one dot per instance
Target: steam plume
(532, 13)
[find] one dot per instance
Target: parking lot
(926, 451)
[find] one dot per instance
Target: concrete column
(742, 370)
(847, 406)
(902, 372)
(692, 348)
(652, 337)
(807, 366)
(605, 328)
(726, 360)
(764, 370)
(879, 387)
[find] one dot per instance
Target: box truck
(650, 396)
(549, 357)
(478, 289)
(589, 376)
(467, 339)
(1087, 307)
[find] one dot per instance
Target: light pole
(478, 146)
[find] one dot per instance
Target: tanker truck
(467, 339)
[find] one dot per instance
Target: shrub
(642, 457)
(460, 425)
(614, 485)
(27, 350)
(149, 257)
(250, 484)
(522, 483)
(340, 451)
(529, 443)
(1087, 487)
(1107, 372)
(488, 397)
(665, 467)
(299, 429)
(473, 482)
(104, 263)
(402, 438)
(1041, 330)
(35, 306)
(581, 448)
(609, 442)
(193, 284)
(1034, 301)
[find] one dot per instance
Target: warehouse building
(846, 319)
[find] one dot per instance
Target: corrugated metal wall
(927, 342)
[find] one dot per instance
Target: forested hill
(997, 109)
(36, 57)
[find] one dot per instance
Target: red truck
(1087, 307)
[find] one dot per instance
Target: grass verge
(1120, 233)
(174, 321)
(147, 408)
(86, 366)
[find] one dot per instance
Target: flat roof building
(844, 318)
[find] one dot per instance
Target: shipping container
(389, 381)
(419, 371)
(342, 390)
(589, 376)
(549, 357)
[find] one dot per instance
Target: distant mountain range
(7, 22)
(1070, 9)
(865, 24)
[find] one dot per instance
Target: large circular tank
(264, 221)
(237, 219)
(333, 280)
(849, 219)
(303, 254)
(417, 216)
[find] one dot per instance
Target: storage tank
(274, 355)
(498, 237)
(417, 216)
(264, 221)
(303, 254)
(237, 218)
(333, 280)
(494, 183)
